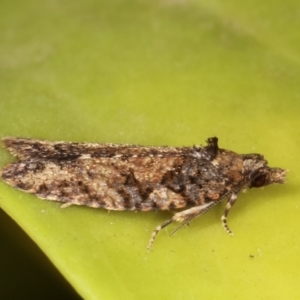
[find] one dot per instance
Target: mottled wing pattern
(115, 177)
(37, 149)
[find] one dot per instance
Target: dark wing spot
(174, 180)
(145, 189)
(126, 197)
(23, 186)
(103, 152)
(42, 190)
(130, 180)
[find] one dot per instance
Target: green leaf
(168, 72)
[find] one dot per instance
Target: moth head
(258, 172)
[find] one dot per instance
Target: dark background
(26, 272)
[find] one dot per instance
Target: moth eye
(258, 179)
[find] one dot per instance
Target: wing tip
(13, 144)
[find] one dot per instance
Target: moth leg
(183, 217)
(186, 216)
(229, 204)
(156, 231)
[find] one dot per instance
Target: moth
(130, 177)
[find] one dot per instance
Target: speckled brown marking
(130, 177)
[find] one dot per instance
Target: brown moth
(131, 177)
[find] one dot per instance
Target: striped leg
(183, 217)
(156, 231)
(229, 204)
